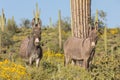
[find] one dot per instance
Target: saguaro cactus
(71, 7)
(60, 38)
(0, 22)
(50, 20)
(2, 27)
(3, 21)
(36, 13)
(0, 34)
(80, 17)
(96, 20)
(105, 38)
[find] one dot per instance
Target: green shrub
(106, 67)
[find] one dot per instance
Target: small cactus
(36, 13)
(2, 26)
(3, 21)
(50, 19)
(60, 38)
(105, 39)
(96, 20)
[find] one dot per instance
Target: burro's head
(93, 37)
(36, 30)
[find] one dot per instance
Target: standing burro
(30, 48)
(80, 49)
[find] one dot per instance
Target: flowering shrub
(114, 31)
(12, 71)
(50, 53)
(16, 38)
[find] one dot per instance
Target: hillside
(104, 65)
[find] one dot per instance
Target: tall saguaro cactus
(36, 13)
(60, 38)
(3, 21)
(105, 38)
(2, 27)
(96, 20)
(50, 19)
(0, 34)
(80, 17)
(71, 7)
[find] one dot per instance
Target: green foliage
(65, 24)
(102, 14)
(11, 25)
(25, 23)
(100, 17)
(106, 67)
(50, 38)
(71, 72)
(52, 68)
(6, 39)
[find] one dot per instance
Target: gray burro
(80, 49)
(30, 48)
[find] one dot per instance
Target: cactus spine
(60, 40)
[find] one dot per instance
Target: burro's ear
(33, 22)
(96, 25)
(40, 23)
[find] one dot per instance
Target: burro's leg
(73, 62)
(37, 62)
(66, 60)
(30, 60)
(85, 63)
(79, 62)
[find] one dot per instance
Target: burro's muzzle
(37, 41)
(93, 44)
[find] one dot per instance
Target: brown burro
(30, 48)
(77, 49)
